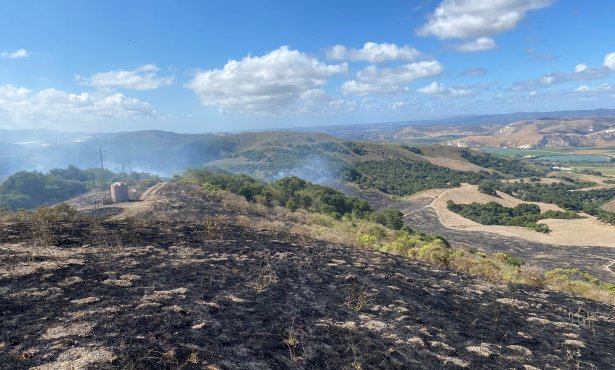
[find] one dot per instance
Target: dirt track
(420, 216)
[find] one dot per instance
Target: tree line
(30, 189)
(293, 193)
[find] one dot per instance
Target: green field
(606, 170)
(530, 152)
(549, 151)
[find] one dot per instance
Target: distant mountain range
(547, 133)
(444, 128)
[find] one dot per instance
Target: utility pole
(100, 152)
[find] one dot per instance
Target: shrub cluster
(565, 195)
(510, 166)
(404, 177)
(524, 214)
(294, 193)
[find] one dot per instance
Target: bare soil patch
(456, 164)
(610, 206)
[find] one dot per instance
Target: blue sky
(233, 65)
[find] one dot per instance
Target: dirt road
(421, 216)
(146, 199)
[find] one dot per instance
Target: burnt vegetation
(203, 290)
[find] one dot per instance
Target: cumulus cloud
(480, 44)
(144, 77)
(21, 53)
(271, 83)
(19, 105)
(375, 81)
(374, 53)
(475, 19)
(580, 68)
(439, 89)
(609, 61)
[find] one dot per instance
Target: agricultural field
(606, 169)
(506, 152)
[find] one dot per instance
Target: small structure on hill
(119, 192)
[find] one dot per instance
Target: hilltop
(187, 279)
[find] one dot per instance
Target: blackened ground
(191, 295)
(598, 261)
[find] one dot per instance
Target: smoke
(161, 153)
(315, 169)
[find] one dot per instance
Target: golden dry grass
(577, 232)
(455, 164)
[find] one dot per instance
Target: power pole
(100, 152)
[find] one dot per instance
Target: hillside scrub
(524, 214)
(509, 166)
(497, 267)
(565, 195)
(433, 249)
(294, 194)
(405, 177)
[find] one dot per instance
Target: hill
(193, 282)
(444, 129)
(547, 133)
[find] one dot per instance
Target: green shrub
(523, 214)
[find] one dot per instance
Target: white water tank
(119, 192)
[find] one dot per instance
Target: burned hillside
(200, 290)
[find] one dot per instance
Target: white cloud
(480, 44)
(372, 80)
(581, 73)
(21, 53)
(374, 53)
(439, 89)
(597, 89)
(271, 83)
(609, 61)
(144, 77)
(19, 105)
(474, 19)
(580, 68)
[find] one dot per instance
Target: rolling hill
(547, 133)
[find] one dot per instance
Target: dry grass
(498, 267)
(292, 341)
(575, 232)
(358, 298)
